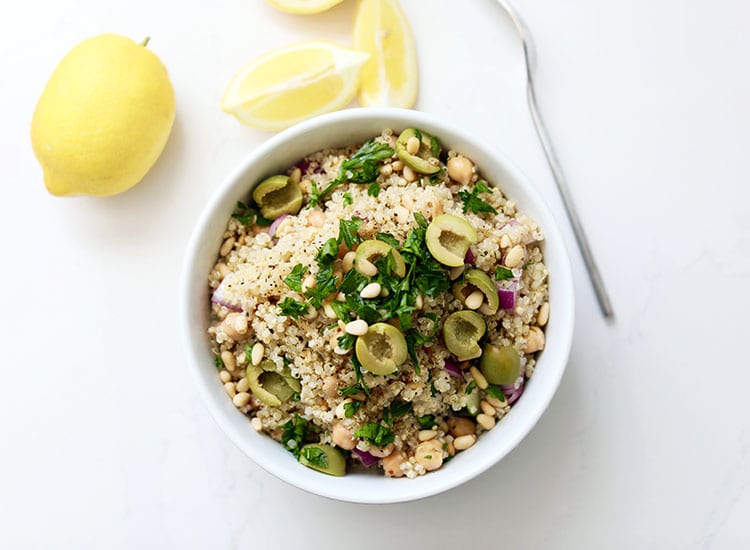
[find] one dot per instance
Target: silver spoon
(562, 186)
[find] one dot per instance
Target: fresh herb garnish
(218, 362)
(294, 279)
(502, 273)
(362, 167)
(388, 238)
(348, 199)
(315, 456)
(470, 387)
(353, 281)
(248, 353)
(341, 310)
(434, 147)
(348, 232)
(426, 422)
(473, 203)
(346, 341)
(360, 377)
(373, 190)
(292, 308)
(376, 433)
(496, 392)
(248, 215)
(351, 390)
(295, 432)
(396, 410)
(351, 408)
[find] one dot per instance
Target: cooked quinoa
(282, 324)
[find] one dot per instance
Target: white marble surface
(103, 440)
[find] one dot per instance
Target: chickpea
(235, 326)
(460, 169)
(330, 385)
(459, 426)
(381, 452)
(429, 454)
(392, 464)
(316, 218)
(534, 341)
(342, 437)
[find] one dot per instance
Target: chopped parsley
(496, 392)
(376, 433)
(248, 215)
(248, 353)
(352, 390)
(295, 432)
(292, 308)
(315, 456)
(362, 167)
(373, 190)
(360, 377)
(470, 387)
(348, 232)
(472, 202)
(294, 279)
(434, 147)
(341, 310)
(346, 341)
(426, 422)
(348, 199)
(388, 239)
(396, 410)
(351, 408)
(502, 273)
(218, 362)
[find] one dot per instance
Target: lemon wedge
(290, 84)
(390, 77)
(304, 7)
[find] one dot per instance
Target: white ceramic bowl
(276, 155)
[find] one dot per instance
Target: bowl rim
(565, 319)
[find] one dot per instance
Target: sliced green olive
(474, 279)
(268, 385)
(323, 458)
(462, 331)
(448, 238)
(382, 349)
(414, 161)
(372, 250)
(472, 402)
(277, 195)
(500, 365)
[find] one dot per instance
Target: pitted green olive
(474, 279)
(382, 349)
(277, 195)
(448, 237)
(269, 386)
(462, 331)
(413, 160)
(323, 458)
(500, 365)
(371, 250)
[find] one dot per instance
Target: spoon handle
(554, 165)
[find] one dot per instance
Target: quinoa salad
(378, 306)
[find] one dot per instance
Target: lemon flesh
(390, 78)
(103, 119)
(304, 7)
(290, 84)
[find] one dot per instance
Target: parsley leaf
(294, 279)
(470, 387)
(248, 215)
(218, 362)
(346, 341)
(351, 408)
(388, 238)
(376, 434)
(351, 390)
(353, 281)
(315, 456)
(292, 308)
(373, 190)
(295, 432)
(502, 273)
(396, 410)
(496, 392)
(248, 353)
(434, 147)
(348, 199)
(360, 377)
(328, 252)
(426, 422)
(341, 310)
(348, 232)
(473, 203)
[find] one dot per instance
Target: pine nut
(426, 435)
(225, 376)
(227, 357)
(241, 399)
(412, 145)
(514, 257)
(418, 301)
(409, 174)
(495, 402)
(341, 410)
(328, 311)
(543, 316)
(371, 291)
(487, 409)
(505, 241)
(455, 272)
(487, 422)
(386, 170)
(347, 262)
(479, 378)
(534, 341)
(226, 247)
(243, 385)
(256, 424)
(308, 283)
(229, 388)
(256, 356)
(367, 268)
(311, 314)
(341, 351)
(451, 449)
(356, 328)
(341, 297)
(397, 165)
(463, 442)
(474, 300)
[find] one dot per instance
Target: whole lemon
(103, 118)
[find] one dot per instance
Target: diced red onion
(512, 393)
(275, 225)
(366, 458)
(452, 367)
(303, 166)
(218, 297)
(469, 258)
(508, 295)
(511, 223)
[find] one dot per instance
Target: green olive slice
(382, 349)
(448, 238)
(500, 365)
(474, 279)
(269, 386)
(462, 331)
(277, 195)
(415, 162)
(472, 402)
(323, 458)
(371, 250)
